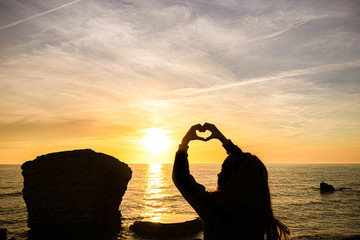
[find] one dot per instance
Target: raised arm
(181, 173)
(193, 192)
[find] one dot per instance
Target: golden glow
(155, 140)
(152, 82)
(154, 209)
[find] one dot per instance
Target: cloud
(286, 74)
(36, 15)
(280, 68)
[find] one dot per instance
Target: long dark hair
(246, 174)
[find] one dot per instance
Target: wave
(327, 237)
(14, 194)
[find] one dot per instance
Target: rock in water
(79, 189)
(157, 230)
(324, 187)
(3, 235)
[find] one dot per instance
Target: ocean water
(151, 195)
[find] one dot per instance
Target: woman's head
(243, 173)
(245, 178)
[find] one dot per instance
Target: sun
(155, 140)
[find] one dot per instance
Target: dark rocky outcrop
(167, 230)
(79, 189)
(3, 235)
(324, 188)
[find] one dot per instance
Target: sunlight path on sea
(154, 193)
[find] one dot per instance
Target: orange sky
(280, 80)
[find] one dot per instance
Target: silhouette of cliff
(79, 189)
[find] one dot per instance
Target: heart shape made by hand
(203, 134)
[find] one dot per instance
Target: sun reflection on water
(154, 193)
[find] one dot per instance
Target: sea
(152, 196)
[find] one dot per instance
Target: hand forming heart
(203, 134)
(193, 134)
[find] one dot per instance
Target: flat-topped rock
(79, 189)
(168, 227)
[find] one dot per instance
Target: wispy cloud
(285, 74)
(37, 15)
(278, 68)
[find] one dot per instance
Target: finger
(208, 138)
(197, 127)
(209, 126)
(202, 129)
(200, 138)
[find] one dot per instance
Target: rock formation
(158, 230)
(3, 235)
(324, 187)
(79, 189)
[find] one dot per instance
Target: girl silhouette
(240, 208)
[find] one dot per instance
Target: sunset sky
(279, 78)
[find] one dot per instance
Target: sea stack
(79, 189)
